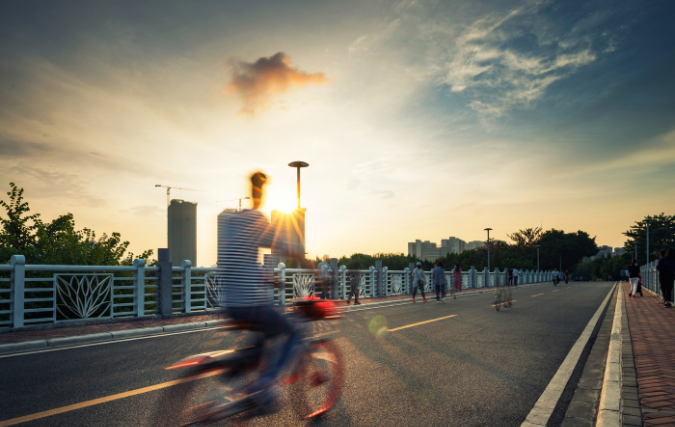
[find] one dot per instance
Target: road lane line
(557, 290)
(419, 323)
(538, 295)
(98, 401)
(542, 410)
(494, 305)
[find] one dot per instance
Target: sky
(419, 119)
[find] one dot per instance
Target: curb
(24, 346)
(102, 337)
(609, 411)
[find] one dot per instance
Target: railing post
(18, 280)
(473, 280)
(282, 282)
(164, 289)
(371, 269)
(187, 283)
(406, 281)
(385, 281)
(378, 268)
(343, 279)
(335, 284)
(139, 283)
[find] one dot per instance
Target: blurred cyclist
(247, 297)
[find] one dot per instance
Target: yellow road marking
(417, 324)
(513, 300)
(556, 290)
(98, 401)
(538, 295)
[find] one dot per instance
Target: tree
(56, 242)
(572, 247)
(661, 236)
(528, 237)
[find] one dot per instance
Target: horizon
(418, 120)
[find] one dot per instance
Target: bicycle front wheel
(321, 372)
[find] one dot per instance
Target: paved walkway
(58, 332)
(653, 335)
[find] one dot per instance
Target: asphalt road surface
(480, 367)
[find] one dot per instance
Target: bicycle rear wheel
(320, 376)
(195, 397)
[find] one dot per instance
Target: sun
(284, 201)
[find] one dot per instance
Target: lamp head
(298, 164)
(488, 229)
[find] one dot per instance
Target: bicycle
(498, 298)
(213, 386)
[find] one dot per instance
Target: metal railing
(41, 294)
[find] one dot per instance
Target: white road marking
(542, 410)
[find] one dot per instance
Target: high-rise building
(618, 251)
(475, 244)
(182, 232)
(604, 251)
(290, 228)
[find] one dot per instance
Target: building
(290, 228)
(618, 251)
(604, 251)
(429, 251)
(475, 244)
(452, 245)
(182, 223)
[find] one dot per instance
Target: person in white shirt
(556, 273)
(515, 277)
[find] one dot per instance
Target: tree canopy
(56, 242)
(661, 236)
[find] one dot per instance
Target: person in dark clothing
(633, 274)
(355, 282)
(666, 268)
(566, 275)
(510, 273)
(662, 253)
(439, 281)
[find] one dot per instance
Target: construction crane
(243, 198)
(168, 191)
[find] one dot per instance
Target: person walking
(354, 288)
(516, 273)
(418, 281)
(566, 276)
(456, 280)
(439, 281)
(510, 275)
(556, 274)
(666, 268)
(633, 277)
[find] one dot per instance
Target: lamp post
(538, 258)
(647, 220)
(298, 164)
(488, 245)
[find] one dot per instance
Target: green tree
(56, 242)
(571, 246)
(661, 236)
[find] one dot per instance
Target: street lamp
(488, 245)
(298, 164)
(538, 258)
(647, 220)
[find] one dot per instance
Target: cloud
(503, 62)
(257, 83)
(145, 211)
(23, 149)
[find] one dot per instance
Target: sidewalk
(157, 324)
(653, 336)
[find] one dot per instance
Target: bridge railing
(33, 294)
(650, 279)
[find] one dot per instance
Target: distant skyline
(419, 119)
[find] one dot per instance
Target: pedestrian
(327, 277)
(566, 275)
(556, 273)
(662, 253)
(516, 273)
(639, 287)
(666, 268)
(633, 276)
(418, 281)
(439, 279)
(510, 276)
(456, 280)
(355, 288)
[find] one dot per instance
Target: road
(480, 367)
